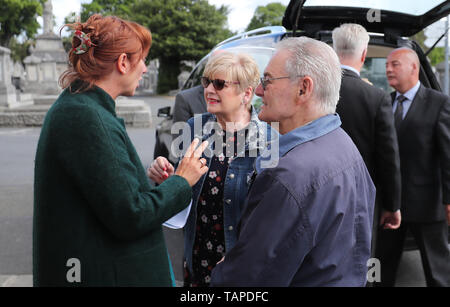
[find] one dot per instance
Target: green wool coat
(97, 221)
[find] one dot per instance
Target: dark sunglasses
(217, 83)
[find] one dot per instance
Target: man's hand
(390, 220)
(448, 213)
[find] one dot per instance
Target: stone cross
(48, 17)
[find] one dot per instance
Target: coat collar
(257, 139)
(97, 94)
(415, 105)
(420, 96)
(350, 72)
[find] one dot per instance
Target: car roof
(263, 37)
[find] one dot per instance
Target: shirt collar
(300, 135)
(411, 93)
(350, 68)
(311, 131)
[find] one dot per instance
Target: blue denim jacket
(236, 183)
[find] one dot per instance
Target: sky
(241, 11)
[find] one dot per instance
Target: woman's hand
(192, 167)
(160, 170)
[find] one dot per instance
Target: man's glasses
(217, 83)
(264, 80)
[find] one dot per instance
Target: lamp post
(446, 80)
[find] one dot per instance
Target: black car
(389, 28)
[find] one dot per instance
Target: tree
(269, 15)
(182, 30)
(437, 55)
(119, 8)
(18, 17)
(19, 51)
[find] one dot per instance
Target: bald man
(422, 120)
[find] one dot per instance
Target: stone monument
(48, 59)
(149, 80)
(7, 89)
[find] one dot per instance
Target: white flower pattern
(220, 249)
(204, 219)
(214, 190)
(209, 244)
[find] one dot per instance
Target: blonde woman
(229, 81)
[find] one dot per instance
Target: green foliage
(19, 51)
(119, 8)
(67, 43)
(182, 30)
(420, 38)
(269, 15)
(437, 55)
(18, 17)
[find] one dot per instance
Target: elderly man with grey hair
(307, 221)
(366, 115)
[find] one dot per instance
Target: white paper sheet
(179, 220)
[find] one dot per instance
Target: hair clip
(85, 43)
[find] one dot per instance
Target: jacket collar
(97, 94)
(256, 139)
(350, 71)
(411, 93)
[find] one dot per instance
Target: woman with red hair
(97, 220)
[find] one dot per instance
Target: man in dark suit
(188, 103)
(422, 120)
(366, 115)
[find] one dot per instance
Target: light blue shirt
(350, 68)
(311, 131)
(410, 94)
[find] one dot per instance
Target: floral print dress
(209, 245)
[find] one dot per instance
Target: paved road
(17, 150)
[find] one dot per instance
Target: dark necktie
(399, 111)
